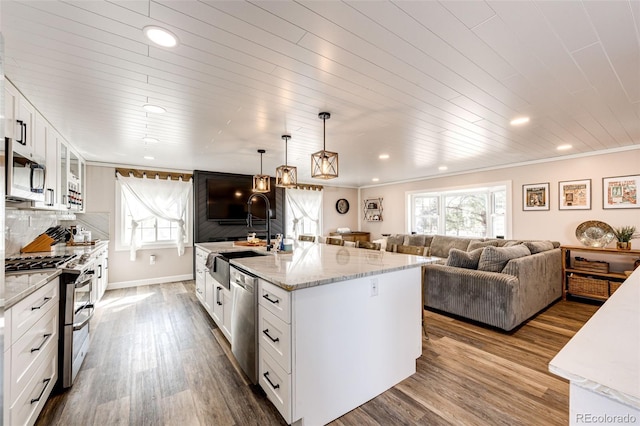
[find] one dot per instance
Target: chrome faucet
(268, 218)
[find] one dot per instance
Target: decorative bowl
(594, 233)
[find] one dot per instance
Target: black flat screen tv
(227, 196)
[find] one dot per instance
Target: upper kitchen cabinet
(71, 177)
(48, 137)
(19, 123)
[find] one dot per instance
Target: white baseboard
(160, 280)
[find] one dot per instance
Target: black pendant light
(324, 164)
(286, 175)
(261, 183)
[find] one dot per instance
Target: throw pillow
(474, 244)
(395, 239)
(538, 246)
(415, 240)
(511, 243)
(493, 259)
(464, 259)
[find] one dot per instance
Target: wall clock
(342, 206)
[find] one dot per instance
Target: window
(303, 210)
(154, 231)
(470, 212)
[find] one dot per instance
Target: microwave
(25, 175)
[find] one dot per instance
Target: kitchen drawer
(29, 351)
(276, 383)
(275, 338)
(275, 299)
(201, 255)
(27, 407)
(29, 310)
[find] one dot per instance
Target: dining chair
(416, 250)
(334, 241)
(311, 238)
(368, 245)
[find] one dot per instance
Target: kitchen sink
(240, 254)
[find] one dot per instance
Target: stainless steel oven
(76, 311)
(24, 175)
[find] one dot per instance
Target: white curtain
(155, 198)
(304, 210)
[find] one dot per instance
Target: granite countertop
(604, 356)
(311, 264)
(19, 286)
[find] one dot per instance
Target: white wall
(331, 219)
(100, 197)
(554, 224)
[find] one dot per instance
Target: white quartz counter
(313, 264)
(604, 356)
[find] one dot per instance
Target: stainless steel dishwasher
(244, 321)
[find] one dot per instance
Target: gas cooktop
(33, 263)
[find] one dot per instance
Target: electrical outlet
(374, 286)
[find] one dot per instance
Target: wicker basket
(613, 286)
(591, 265)
(579, 284)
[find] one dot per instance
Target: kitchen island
(337, 325)
(602, 361)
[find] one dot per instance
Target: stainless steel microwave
(25, 175)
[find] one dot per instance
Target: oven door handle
(80, 325)
(84, 282)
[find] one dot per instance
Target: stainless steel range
(76, 307)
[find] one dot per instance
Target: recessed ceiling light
(375, 180)
(160, 36)
(383, 156)
(148, 139)
(442, 168)
(154, 108)
(148, 157)
(520, 120)
(564, 147)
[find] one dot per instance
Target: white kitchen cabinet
(102, 273)
(337, 345)
(221, 312)
(19, 121)
(31, 354)
(47, 141)
(201, 258)
(71, 175)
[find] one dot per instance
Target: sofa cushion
(475, 244)
(511, 243)
(493, 259)
(441, 244)
(397, 239)
(538, 246)
(414, 240)
(464, 259)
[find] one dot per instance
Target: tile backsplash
(23, 226)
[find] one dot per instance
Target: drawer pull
(46, 299)
(44, 388)
(44, 340)
(218, 295)
(266, 376)
(266, 333)
(266, 296)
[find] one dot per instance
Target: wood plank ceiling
(429, 83)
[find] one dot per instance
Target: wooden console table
(352, 236)
(591, 279)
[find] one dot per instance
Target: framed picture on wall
(574, 195)
(620, 192)
(535, 196)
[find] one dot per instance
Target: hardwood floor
(154, 361)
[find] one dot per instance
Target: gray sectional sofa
(501, 283)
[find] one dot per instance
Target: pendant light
(261, 183)
(324, 164)
(286, 176)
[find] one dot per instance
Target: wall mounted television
(227, 196)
